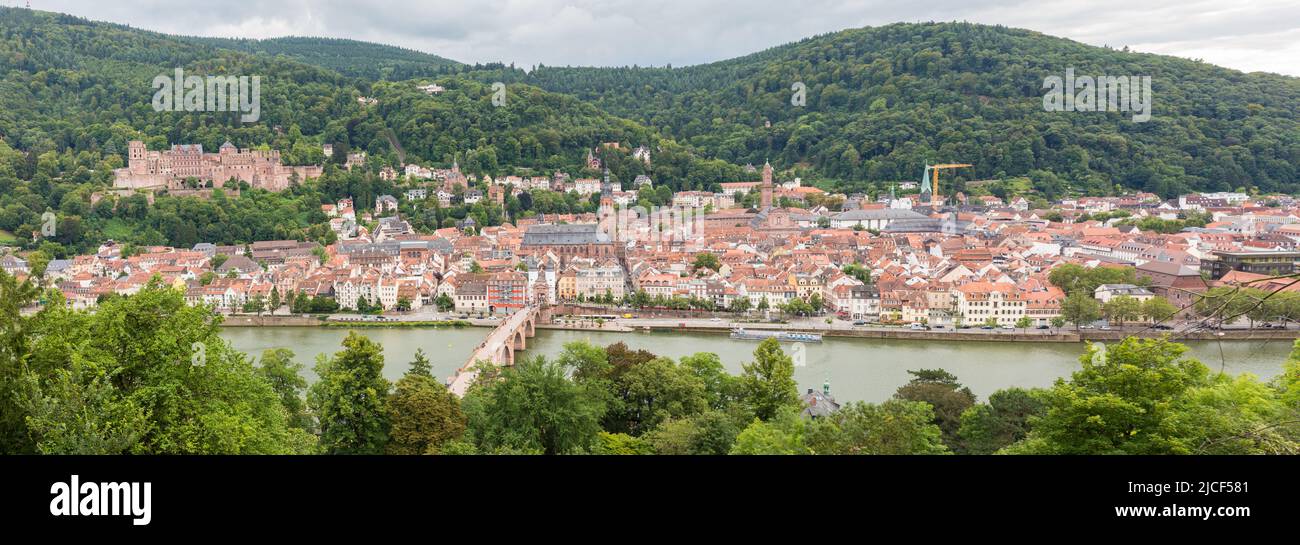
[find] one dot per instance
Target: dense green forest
(348, 57)
(881, 102)
(150, 374)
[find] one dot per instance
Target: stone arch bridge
(500, 346)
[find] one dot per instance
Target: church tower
(605, 220)
(766, 197)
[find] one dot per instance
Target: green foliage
(1004, 420)
(782, 433)
(351, 399)
(958, 91)
(638, 389)
(348, 57)
(861, 273)
(15, 349)
(420, 365)
(147, 374)
(708, 433)
(654, 391)
(1123, 401)
(1158, 309)
(1122, 309)
(768, 382)
(534, 406)
(721, 389)
(423, 415)
(1073, 278)
(1080, 308)
(1234, 416)
(948, 398)
(706, 260)
(285, 377)
(893, 427)
(620, 444)
(444, 303)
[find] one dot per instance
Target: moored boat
(781, 336)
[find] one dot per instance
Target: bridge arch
(519, 343)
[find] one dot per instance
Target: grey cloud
(1247, 35)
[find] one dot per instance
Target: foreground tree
(351, 399)
(892, 427)
(620, 444)
(534, 406)
(988, 427)
(285, 377)
(709, 433)
(15, 348)
(721, 389)
(1119, 403)
(420, 364)
(147, 374)
(423, 415)
(782, 433)
(657, 390)
(945, 394)
(768, 382)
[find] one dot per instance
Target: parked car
(917, 327)
(860, 322)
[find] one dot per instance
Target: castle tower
(766, 197)
(136, 160)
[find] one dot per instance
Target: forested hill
(348, 57)
(883, 101)
(73, 85)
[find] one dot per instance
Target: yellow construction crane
(935, 199)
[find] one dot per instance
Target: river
(857, 369)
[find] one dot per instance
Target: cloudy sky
(1247, 35)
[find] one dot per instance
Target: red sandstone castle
(169, 169)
